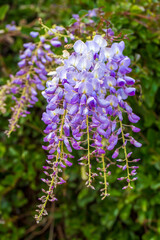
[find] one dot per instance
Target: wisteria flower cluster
(86, 104)
(86, 96)
(33, 68)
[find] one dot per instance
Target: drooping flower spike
(86, 103)
(35, 62)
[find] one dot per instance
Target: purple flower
(73, 109)
(129, 80)
(123, 66)
(100, 41)
(103, 102)
(130, 91)
(68, 163)
(22, 63)
(115, 154)
(117, 49)
(80, 47)
(135, 129)
(133, 118)
(34, 34)
(135, 143)
(11, 27)
(93, 46)
(112, 100)
(91, 102)
(120, 82)
(85, 88)
(55, 43)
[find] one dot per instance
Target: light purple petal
(80, 47)
(100, 41)
(34, 34)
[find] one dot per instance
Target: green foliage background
(79, 213)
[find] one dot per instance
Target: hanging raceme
(86, 103)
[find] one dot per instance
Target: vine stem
(50, 29)
(89, 161)
(125, 153)
(105, 177)
(17, 114)
(52, 181)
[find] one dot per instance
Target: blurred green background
(80, 214)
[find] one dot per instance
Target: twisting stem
(56, 33)
(125, 153)
(52, 181)
(89, 162)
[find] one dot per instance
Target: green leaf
(82, 13)
(71, 21)
(155, 185)
(2, 149)
(3, 10)
(127, 31)
(137, 9)
(125, 212)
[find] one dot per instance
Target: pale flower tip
(52, 73)
(66, 54)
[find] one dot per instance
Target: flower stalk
(89, 160)
(60, 145)
(105, 177)
(125, 154)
